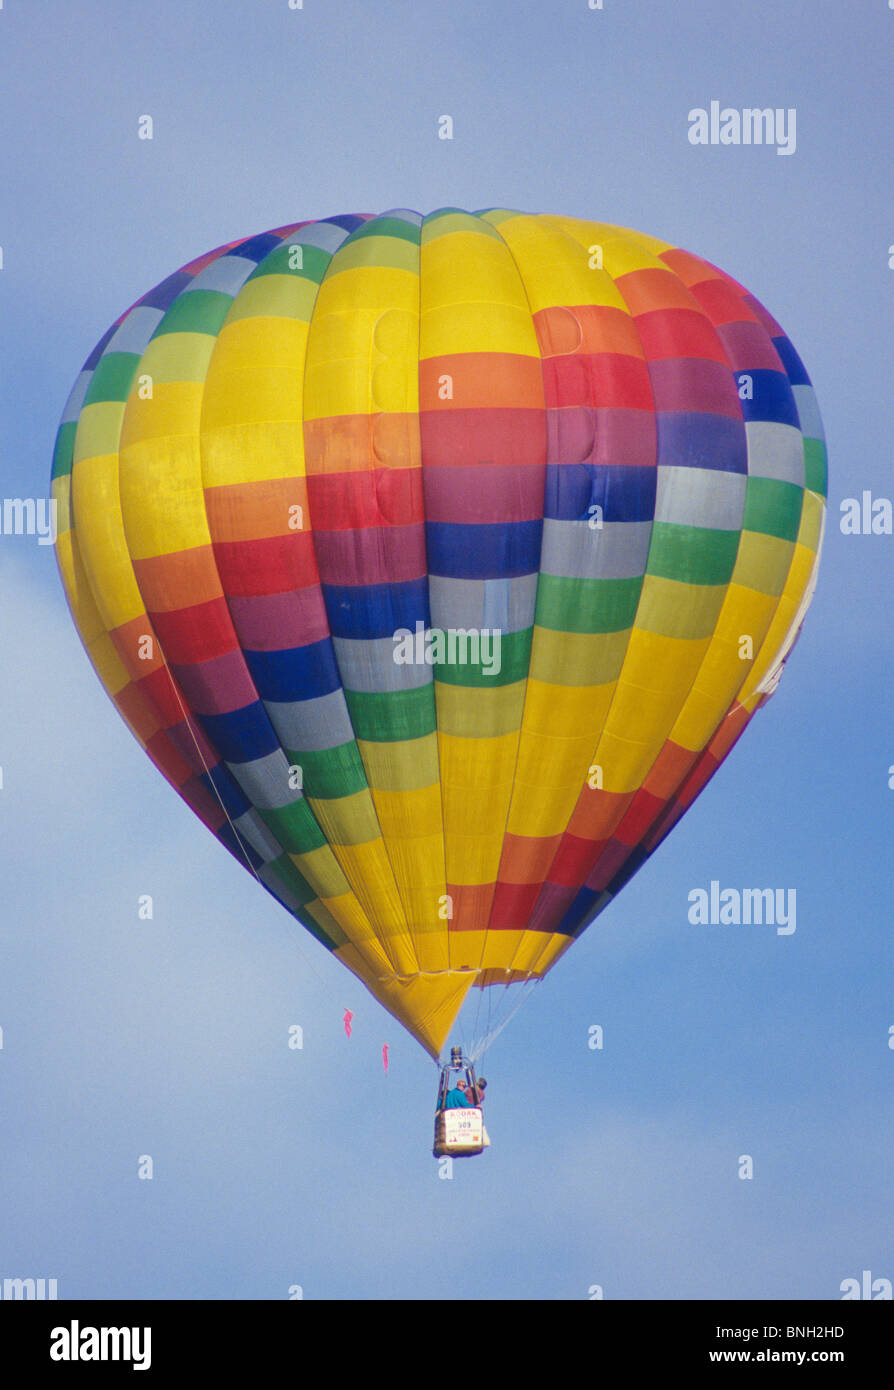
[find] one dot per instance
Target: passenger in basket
(475, 1094)
(457, 1100)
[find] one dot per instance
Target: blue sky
(276, 1167)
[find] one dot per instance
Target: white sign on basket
(463, 1126)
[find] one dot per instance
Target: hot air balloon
(437, 562)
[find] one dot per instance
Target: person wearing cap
(457, 1099)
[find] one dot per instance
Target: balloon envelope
(438, 562)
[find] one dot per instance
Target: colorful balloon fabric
(438, 562)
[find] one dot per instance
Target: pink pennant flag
(385, 1055)
(348, 1017)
